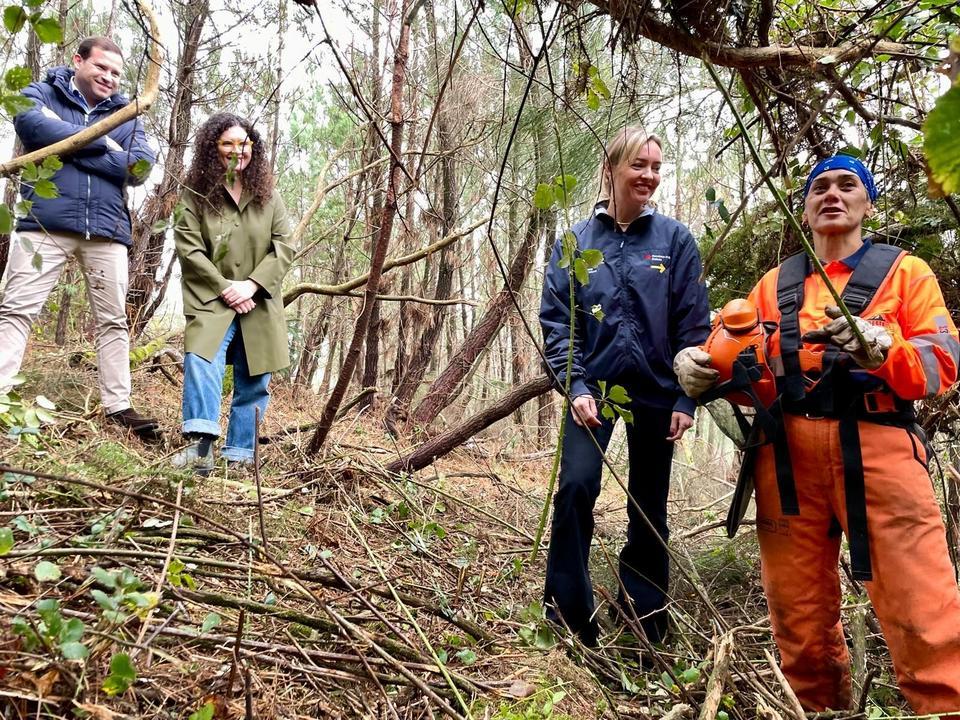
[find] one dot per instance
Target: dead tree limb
(442, 444)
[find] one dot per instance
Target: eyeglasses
(240, 145)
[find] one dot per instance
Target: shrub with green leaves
(52, 631)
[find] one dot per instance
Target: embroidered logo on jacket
(655, 262)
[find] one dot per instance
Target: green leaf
(6, 219)
(14, 18)
(17, 78)
(30, 173)
(51, 164)
(204, 713)
(711, 195)
(724, 213)
(941, 142)
(46, 189)
(72, 630)
(592, 258)
(122, 675)
(627, 415)
(6, 540)
(597, 312)
(105, 601)
(563, 189)
(46, 571)
(74, 650)
(690, 675)
(47, 29)
(607, 411)
(593, 100)
(618, 394)
(221, 252)
(45, 402)
(580, 272)
(15, 104)
(141, 168)
(104, 577)
(22, 208)
(602, 384)
(37, 262)
(210, 622)
(467, 656)
(543, 198)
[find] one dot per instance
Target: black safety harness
(832, 394)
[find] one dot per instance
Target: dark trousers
(644, 565)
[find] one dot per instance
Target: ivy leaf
(580, 272)
(6, 219)
(592, 258)
(618, 394)
(210, 622)
(17, 78)
(122, 675)
(46, 189)
(46, 571)
(14, 18)
(711, 195)
(941, 143)
(543, 198)
(6, 540)
(48, 29)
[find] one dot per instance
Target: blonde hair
(623, 146)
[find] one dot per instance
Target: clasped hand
(239, 295)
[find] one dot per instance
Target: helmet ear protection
(738, 350)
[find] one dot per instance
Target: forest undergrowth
(330, 589)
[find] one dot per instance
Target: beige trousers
(104, 266)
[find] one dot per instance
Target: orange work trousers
(913, 591)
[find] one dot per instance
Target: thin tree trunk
(442, 444)
(383, 239)
(447, 386)
(146, 252)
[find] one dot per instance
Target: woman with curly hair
(232, 240)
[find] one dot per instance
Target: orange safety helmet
(738, 350)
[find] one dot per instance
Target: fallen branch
(793, 704)
(440, 445)
(721, 665)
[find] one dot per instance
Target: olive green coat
(235, 243)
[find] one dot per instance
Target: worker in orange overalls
(847, 455)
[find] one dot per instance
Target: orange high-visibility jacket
(924, 359)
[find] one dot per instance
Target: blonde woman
(652, 306)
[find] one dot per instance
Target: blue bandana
(845, 162)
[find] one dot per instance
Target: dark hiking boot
(146, 428)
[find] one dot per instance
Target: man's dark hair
(104, 43)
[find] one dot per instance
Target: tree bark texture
(442, 444)
(146, 252)
(448, 384)
(383, 238)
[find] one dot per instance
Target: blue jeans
(203, 388)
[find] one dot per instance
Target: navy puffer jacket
(653, 305)
(92, 198)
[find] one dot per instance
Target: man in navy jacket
(639, 307)
(88, 219)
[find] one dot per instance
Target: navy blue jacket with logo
(652, 302)
(92, 200)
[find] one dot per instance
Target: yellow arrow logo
(661, 267)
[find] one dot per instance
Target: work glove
(838, 332)
(692, 366)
